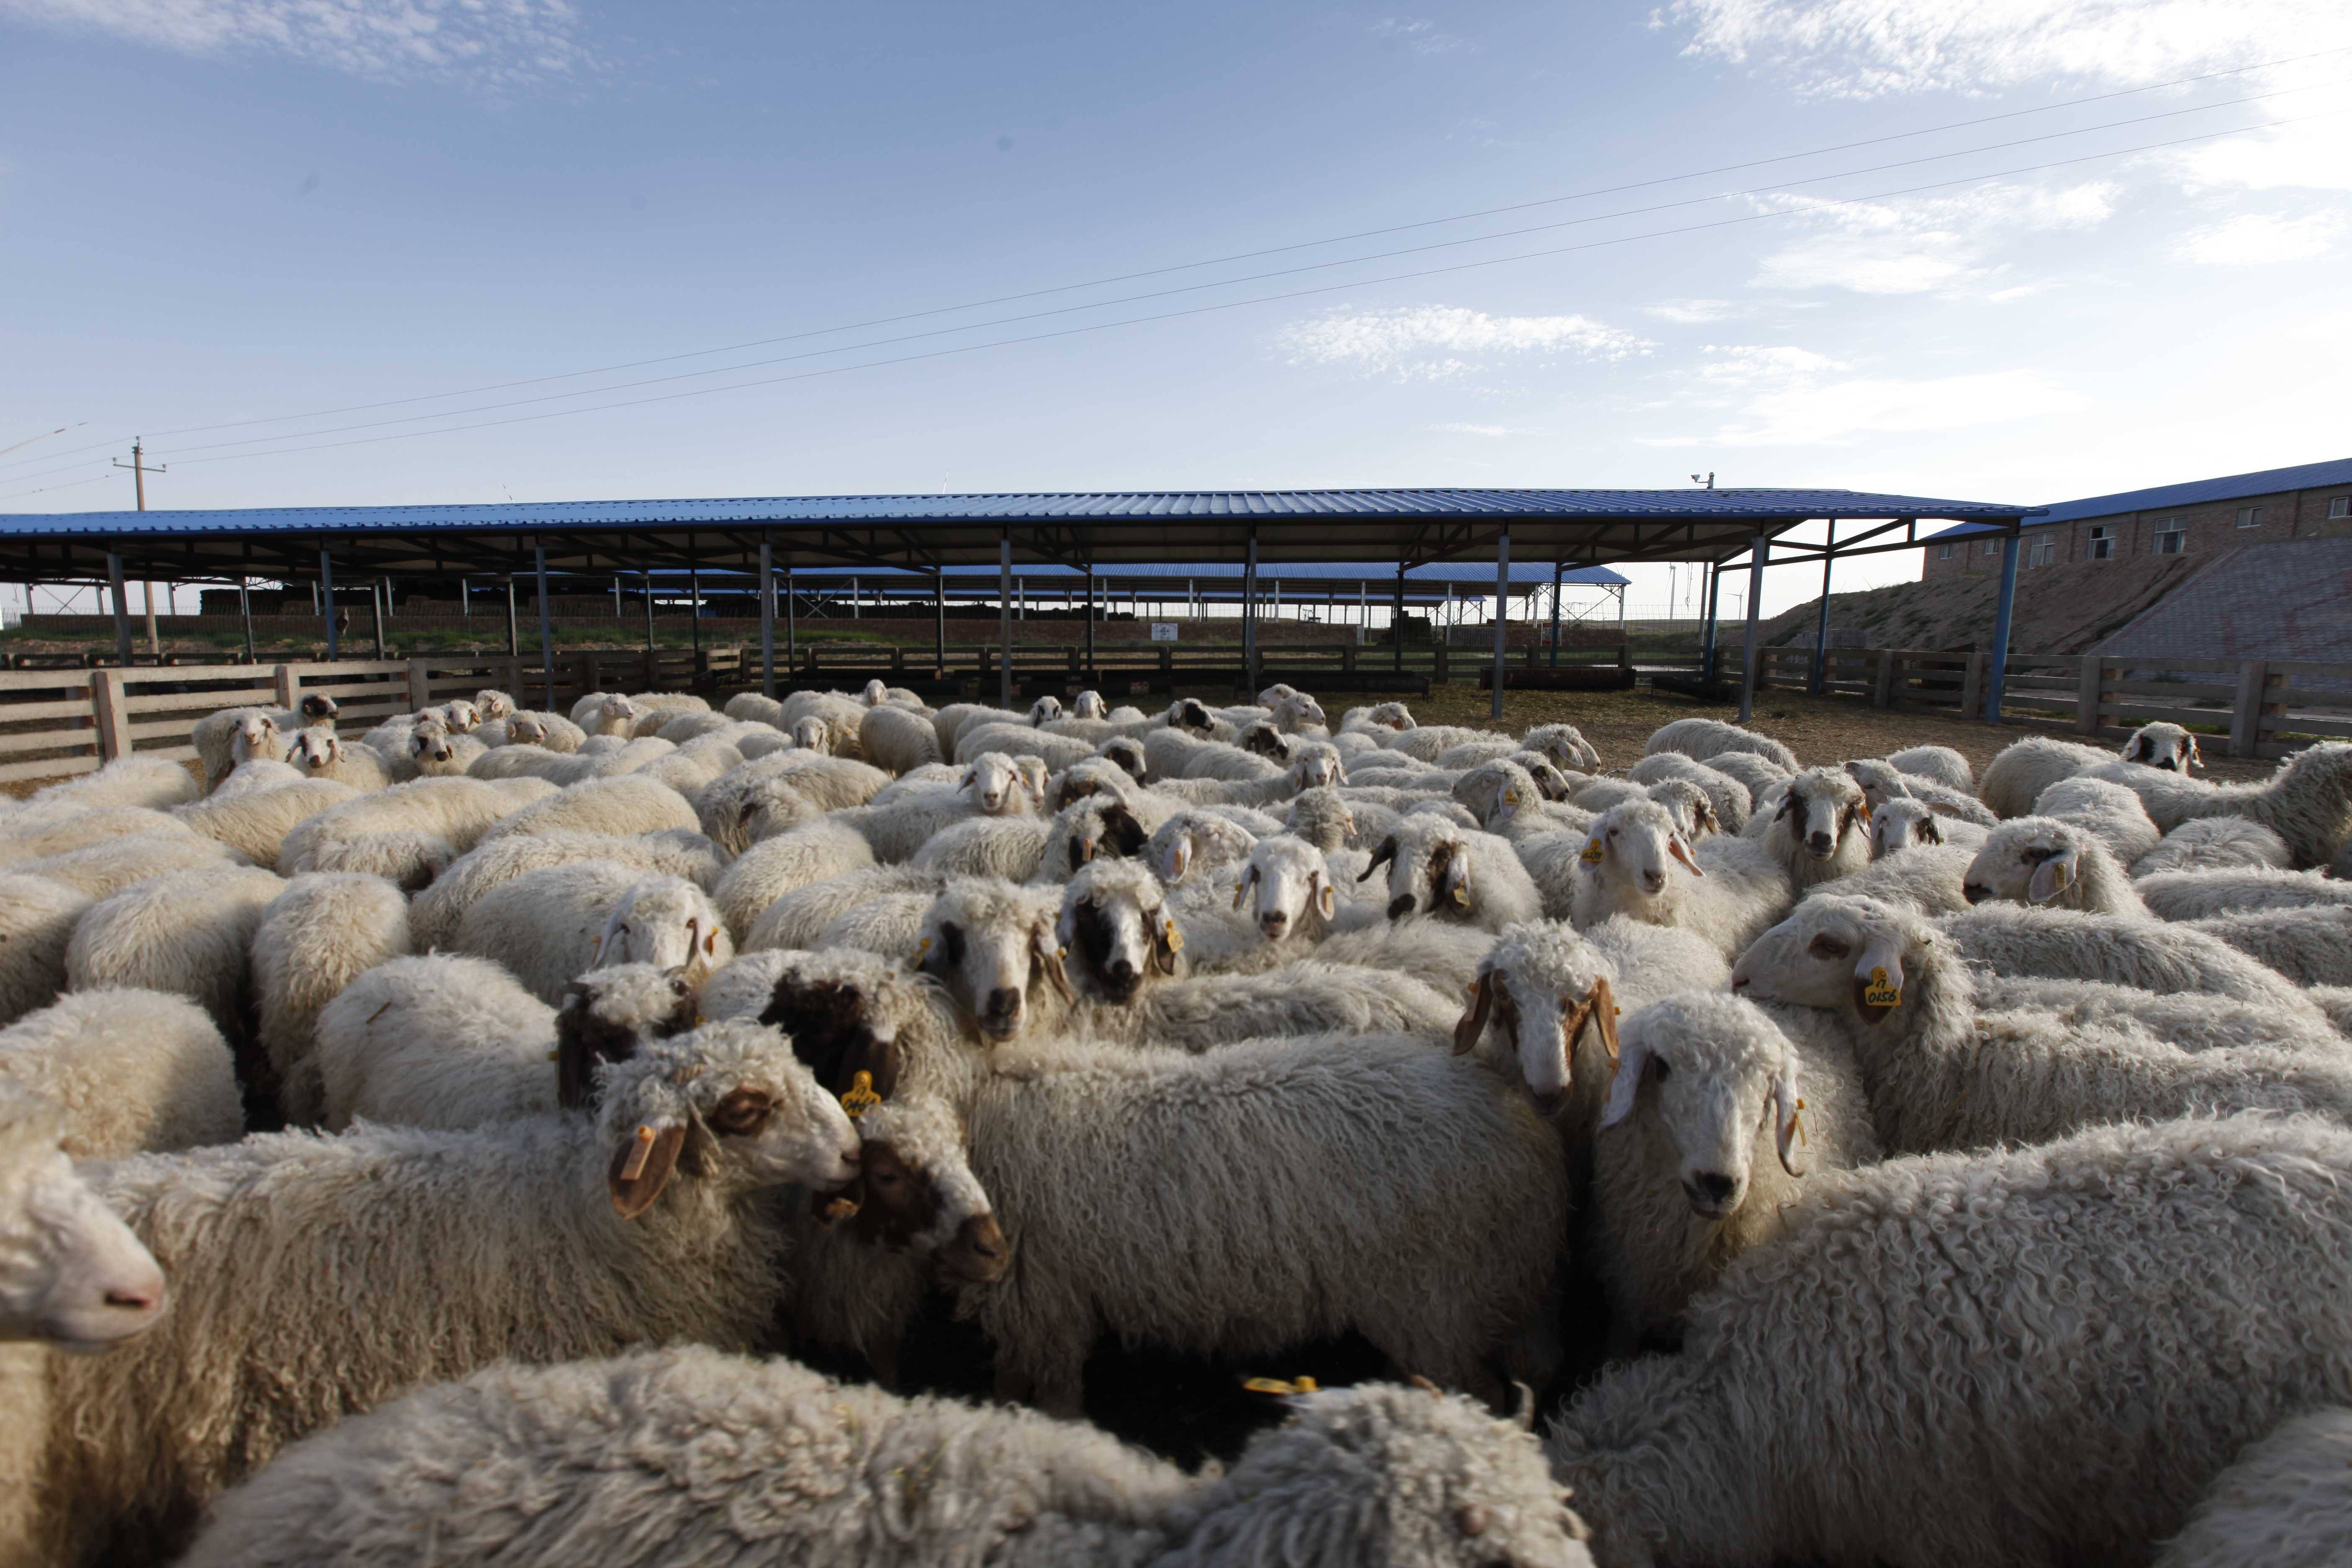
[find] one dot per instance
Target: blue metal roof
(1529, 573)
(1694, 505)
(2195, 492)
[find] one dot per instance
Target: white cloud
(1805, 413)
(2258, 237)
(1927, 244)
(1744, 364)
(2315, 156)
(1491, 432)
(1419, 35)
(493, 43)
(1438, 342)
(1692, 312)
(1867, 48)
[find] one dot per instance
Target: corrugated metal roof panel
(2193, 492)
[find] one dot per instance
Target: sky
(358, 252)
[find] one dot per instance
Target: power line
(1240, 256)
(1270, 298)
(1230, 282)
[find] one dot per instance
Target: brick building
(2203, 516)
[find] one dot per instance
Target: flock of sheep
(1966, 1165)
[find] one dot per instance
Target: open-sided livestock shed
(1092, 533)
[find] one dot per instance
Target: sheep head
(669, 922)
(1822, 807)
(1286, 886)
(493, 704)
(1088, 705)
(1692, 807)
(319, 707)
(2166, 746)
(1901, 825)
(1192, 715)
(1116, 928)
(316, 750)
(1044, 711)
(616, 715)
(1127, 753)
(256, 735)
(1193, 839)
(1261, 739)
(527, 729)
(843, 1008)
(462, 717)
(1638, 843)
(1839, 951)
(727, 1099)
(1546, 990)
(1000, 786)
(1565, 745)
(1880, 782)
(76, 1276)
(606, 1014)
(873, 694)
(428, 742)
(988, 942)
(1315, 765)
(1703, 1073)
(1103, 826)
(2027, 860)
(915, 1192)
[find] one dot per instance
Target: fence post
(420, 689)
(2246, 712)
(288, 681)
(109, 707)
(1348, 657)
(1438, 674)
(1972, 683)
(2087, 695)
(1882, 690)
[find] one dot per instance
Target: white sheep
(1929, 877)
(1437, 867)
(1636, 864)
(255, 825)
(2199, 895)
(992, 785)
(2106, 808)
(2015, 779)
(131, 1071)
(812, 852)
(155, 782)
(2284, 1503)
(436, 911)
(2012, 1357)
(1682, 1183)
(694, 766)
(256, 775)
(2307, 802)
(1942, 1075)
(1938, 765)
(1821, 830)
(410, 832)
(1882, 782)
(1374, 1474)
(398, 1256)
(38, 917)
(320, 753)
(2311, 946)
(324, 931)
(2215, 843)
(400, 1037)
(548, 925)
(771, 793)
(621, 807)
(2028, 943)
(754, 707)
(187, 933)
(228, 737)
(1755, 771)
(1732, 803)
(1904, 825)
(71, 1274)
(107, 867)
(1699, 738)
(794, 920)
(2042, 861)
(898, 740)
(54, 833)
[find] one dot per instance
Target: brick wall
(2206, 530)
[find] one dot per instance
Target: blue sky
(218, 211)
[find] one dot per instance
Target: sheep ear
(1787, 1128)
(1631, 1061)
(1177, 860)
(1166, 942)
(1327, 897)
(642, 1167)
(2196, 757)
(2053, 876)
(1926, 830)
(1878, 979)
(1049, 957)
(1681, 851)
(1473, 1022)
(1602, 1003)
(1242, 887)
(1380, 857)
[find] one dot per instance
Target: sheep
(754, 707)
(216, 736)
(1755, 772)
(2194, 1021)
(990, 944)
(38, 917)
(254, 774)
(1929, 877)
(1564, 746)
(1437, 867)
(993, 784)
(680, 728)
(1427, 743)
(319, 754)
(410, 832)
(2283, 1502)
(1470, 753)
(813, 852)
(1310, 1138)
(2199, 895)
(1021, 849)
(105, 868)
(2215, 843)
(73, 1274)
(1731, 892)
(2155, 955)
(255, 825)
(1882, 782)
(1699, 738)
(1379, 716)
(155, 782)
(436, 911)
(1020, 741)
(849, 1014)
(548, 925)
(547, 731)
(794, 919)
(133, 1070)
(1374, 1474)
(1289, 889)
(1681, 1183)
(1311, 765)
(2106, 808)
(897, 740)
(57, 834)
(2307, 802)
(1822, 829)
(949, 721)
(620, 807)
(1942, 1076)
(1553, 992)
(396, 740)
(889, 924)
(2042, 861)
(1938, 765)
(1985, 1360)
(694, 766)
(1901, 824)
(1196, 840)
(543, 1239)
(415, 1039)
(2015, 779)
(315, 938)
(2311, 946)
(187, 933)
(1732, 803)
(733, 806)
(607, 714)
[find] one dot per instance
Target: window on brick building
(2043, 553)
(2102, 543)
(1992, 547)
(1944, 551)
(2340, 506)
(2249, 516)
(2172, 538)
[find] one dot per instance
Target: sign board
(1163, 631)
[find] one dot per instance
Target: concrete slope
(2285, 601)
(2062, 608)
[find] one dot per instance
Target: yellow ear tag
(552, 1055)
(1462, 896)
(642, 1151)
(1592, 852)
(1175, 937)
(1797, 1120)
(2066, 877)
(1276, 1386)
(859, 1097)
(1510, 797)
(1879, 994)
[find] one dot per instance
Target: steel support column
(121, 608)
(244, 611)
(1249, 616)
(1999, 670)
(1756, 555)
(546, 621)
(326, 603)
(1559, 568)
(767, 619)
(1004, 618)
(514, 636)
(1821, 626)
(1706, 640)
(940, 619)
(1090, 620)
(1502, 619)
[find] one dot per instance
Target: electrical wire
(1268, 299)
(1239, 256)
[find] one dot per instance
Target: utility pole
(139, 472)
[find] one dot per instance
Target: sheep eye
(1613, 833)
(743, 1113)
(1665, 1069)
(885, 1178)
(1828, 947)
